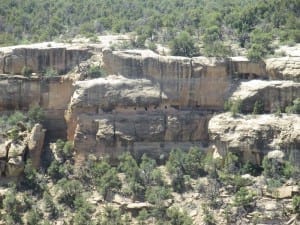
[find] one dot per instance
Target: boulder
(14, 167)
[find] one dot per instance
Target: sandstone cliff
(116, 114)
(189, 82)
(40, 57)
(153, 104)
(253, 136)
(274, 95)
(51, 94)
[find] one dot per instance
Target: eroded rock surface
(188, 82)
(255, 135)
(14, 153)
(114, 114)
(40, 57)
(274, 95)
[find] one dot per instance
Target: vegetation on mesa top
(253, 24)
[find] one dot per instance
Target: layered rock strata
(116, 114)
(253, 136)
(51, 94)
(188, 82)
(40, 57)
(273, 95)
(155, 103)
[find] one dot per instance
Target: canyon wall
(188, 82)
(40, 57)
(51, 94)
(116, 114)
(153, 103)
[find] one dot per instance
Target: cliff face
(153, 104)
(52, 95)
(274, 95)
(40, 57)
(188, 82)
(116, 114)
(253, 136)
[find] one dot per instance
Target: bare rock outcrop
(42, 56)
(35, 144)
(255, 135)
(200, 81)
(284, 68)
(51, 94)
(14, 153)
(273, 95)
(114, 114)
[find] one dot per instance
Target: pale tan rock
(14, 166)
(35, 144)
(199, 81)
(273, 94)
(284, 68)
(285, 192)
(254, 135)
(138, 206)
(16, 149)
(40, 57)
(116, 114)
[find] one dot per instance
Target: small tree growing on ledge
(50, 72)
(95, 72)
(258, 107)
(26, 71)
(234, 106)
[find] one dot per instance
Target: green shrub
(176, 217)
(50, 72)
(56, 170)
(49, 205)
(16, 117)
(157, 194)
(26, 71)
(109, 182)
(250, 168)
(64, 150)
(296, 204)
(234, 106)
(69, 191)
(36, 114)
(260, 45)
(277, 169)
(96, 72)
(10, 205)
(208, 216)
(83, 212)
(34, 217)
(294, 108)
(142, 217)
(31, 180)
(244, 198)
(258, 107)
(111, 216)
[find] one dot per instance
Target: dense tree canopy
(210, 22)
